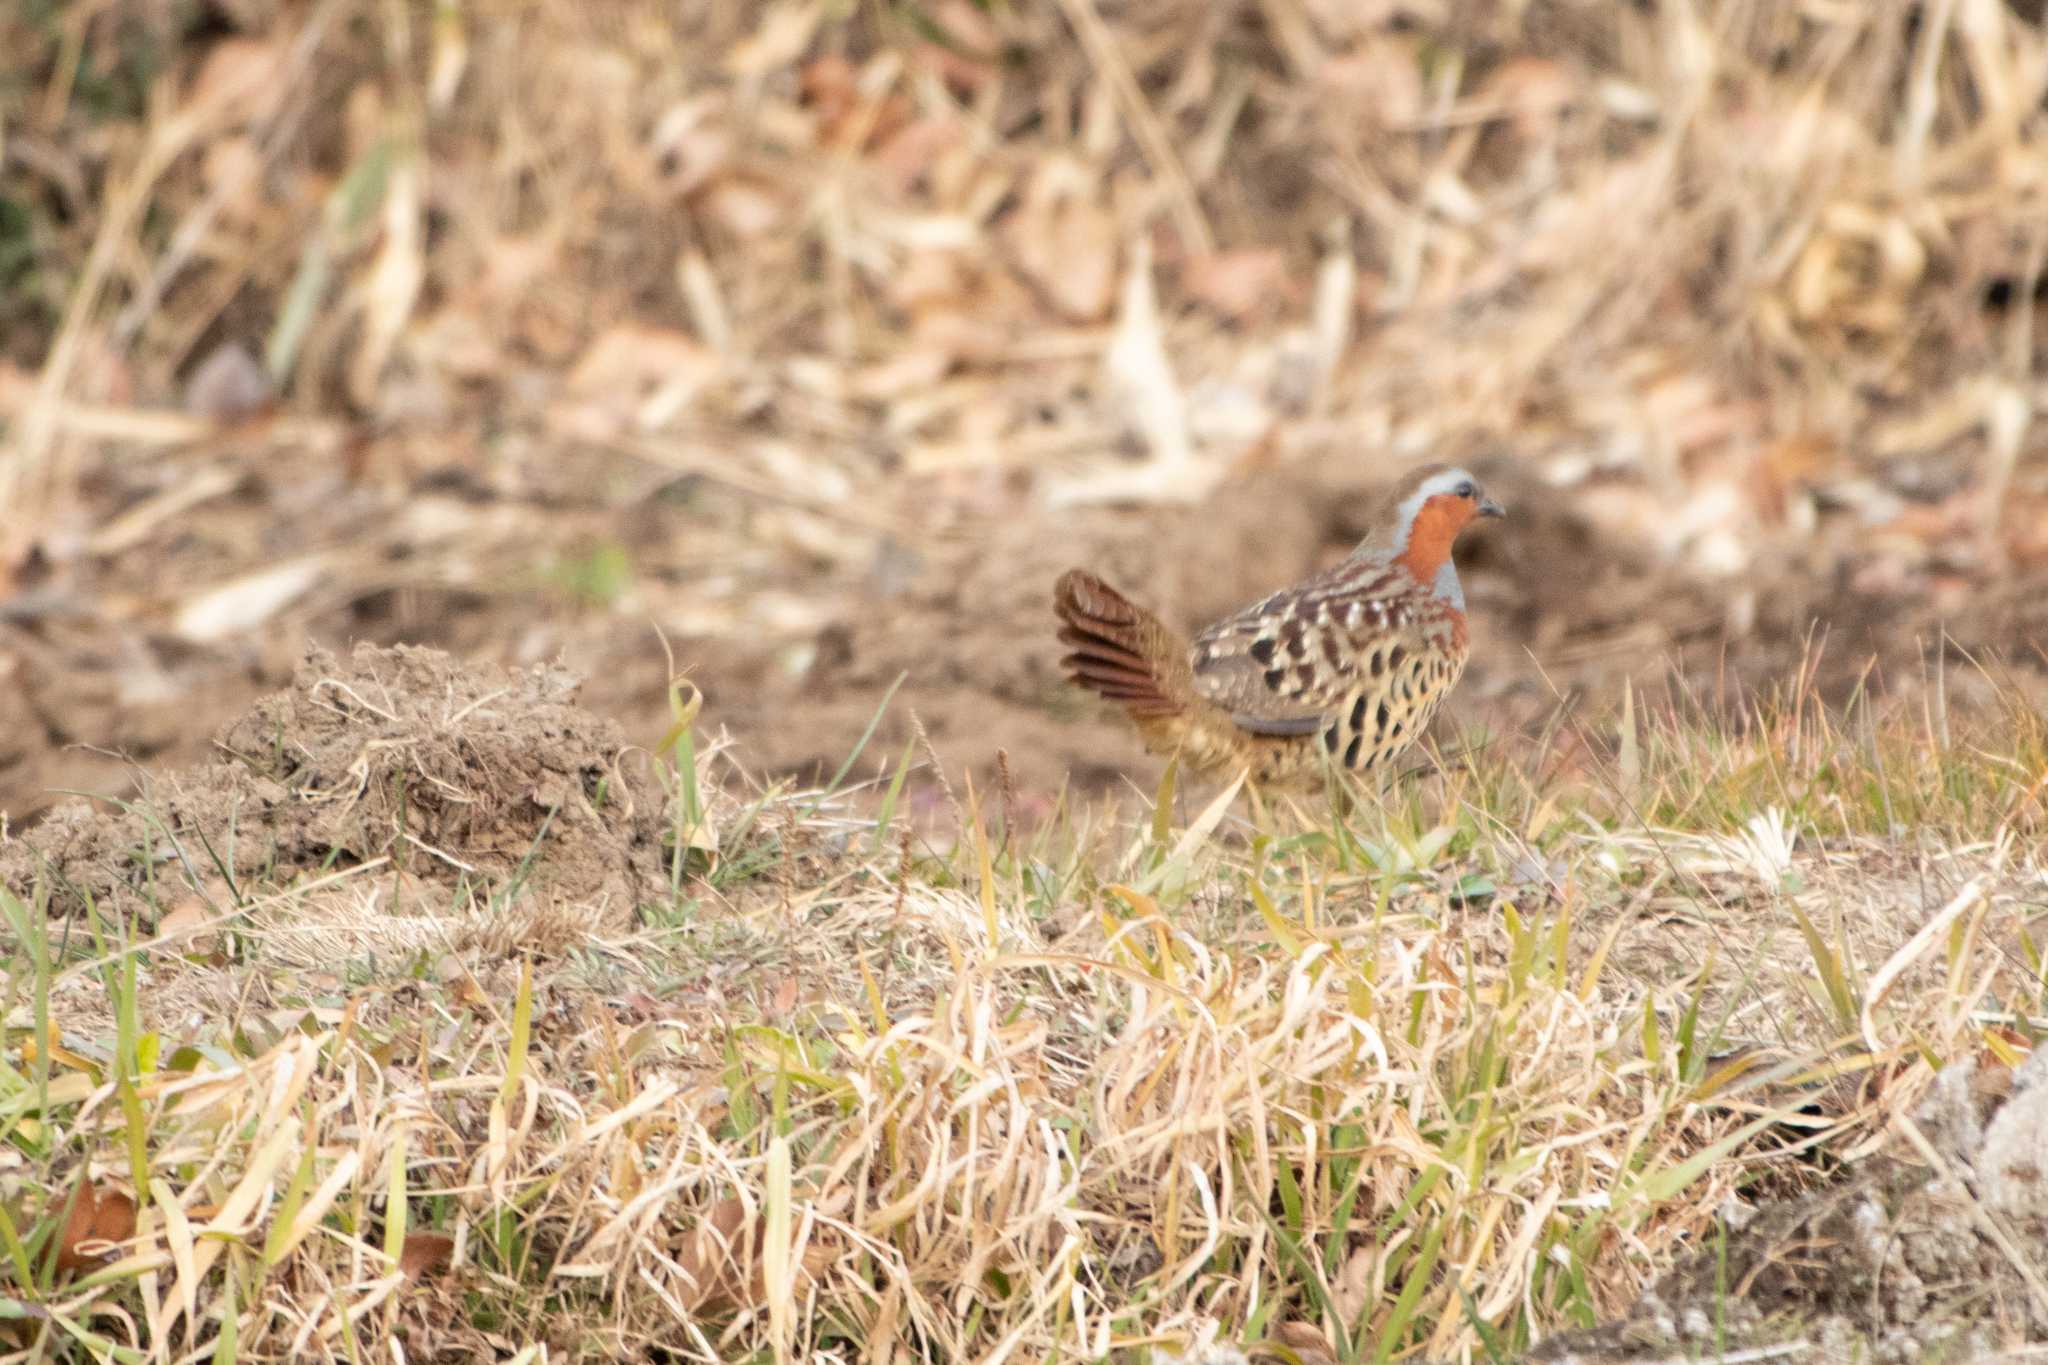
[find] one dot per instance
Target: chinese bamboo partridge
(1346, 667)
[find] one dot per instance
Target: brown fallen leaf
(1307, 1342)
(633, 376)
(1354, 1288)
(467, 992)
(98, 1218)
(1534, 92)
(968, 55)
(229, 385)
(831, 87)
(908, 155)
(784, 999)
(186, 925)
(1242, 284)
(237, 81)
(785, 32)
(424, 1252)
(1065, 243)
(722, 1263)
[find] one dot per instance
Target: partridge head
(1345, 667)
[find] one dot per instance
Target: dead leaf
(747, 208)
(967, 53)
(633, 377)
(237, 81)
(424, 1252)
(98, 1218)
(1354, 1287)
(1065, 243)
(1532, 92)
(229, 385)
(712, 1257)
(244, 603)
(1242, 284)
(467, 992)
(1306, 1341)
(1378, 82)
(785, 32)
(908, 155)
(722, 1264)
(59, 1054)
(188, 926)
(690, 143)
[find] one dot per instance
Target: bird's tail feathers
(1120, 650)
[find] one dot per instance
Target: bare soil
(796, 652)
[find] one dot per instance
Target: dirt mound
(464, 776)
(1906, 1261)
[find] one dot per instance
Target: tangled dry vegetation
(1451, 1078)
(416, 1010)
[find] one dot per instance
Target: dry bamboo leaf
(394, 280)
(1141, 371)
(244, 603)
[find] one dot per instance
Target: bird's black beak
(1489, 508)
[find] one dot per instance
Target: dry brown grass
(1741, 253)
(1746, 282)
(1440, 1079)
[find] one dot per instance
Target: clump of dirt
(463, 775)
(1905, 1261)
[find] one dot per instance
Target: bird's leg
(1262, 817)
(1337, 786)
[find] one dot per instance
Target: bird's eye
(1466, 490)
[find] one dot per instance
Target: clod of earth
(462, 775)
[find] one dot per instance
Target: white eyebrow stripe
(1411, 506)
